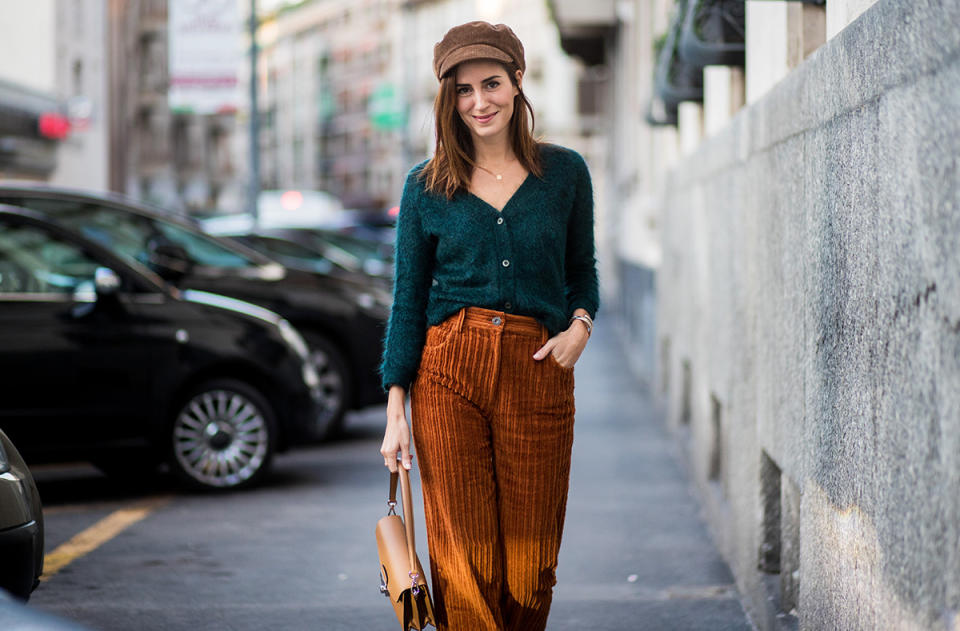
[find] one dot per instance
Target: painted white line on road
(88, 540)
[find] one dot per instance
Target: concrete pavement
(635, 554)
(298, 553)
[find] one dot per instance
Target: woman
(494, 296)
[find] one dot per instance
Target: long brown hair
(454, 158)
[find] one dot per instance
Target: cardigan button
(499, 220)
(506, 263)
(507, 306)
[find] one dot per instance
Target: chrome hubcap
(220, 438)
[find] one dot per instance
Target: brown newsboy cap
(477, 40)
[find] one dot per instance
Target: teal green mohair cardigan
(535, 257)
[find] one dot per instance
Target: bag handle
(406, 497)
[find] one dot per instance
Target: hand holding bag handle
(401, 575)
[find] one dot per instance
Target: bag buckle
(414, 586)
(383, 588)
(393, 507)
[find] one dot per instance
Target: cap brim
(471, 52)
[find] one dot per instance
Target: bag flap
(394, 560)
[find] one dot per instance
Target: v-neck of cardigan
(509, 201)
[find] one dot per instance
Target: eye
(463, 90)
(493, 84)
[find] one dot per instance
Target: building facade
(111, 68)
(798, 213)
(34, 119)
(183, 161)
(82, 54)
(348, 89)
(327, 66)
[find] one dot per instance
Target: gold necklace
(496, 175)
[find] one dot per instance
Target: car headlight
(4, 460)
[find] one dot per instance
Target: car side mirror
(106, 287)
(106, 281)
(169, 260)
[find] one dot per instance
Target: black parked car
(342, 320)
(347, 248)
(299, 249)
(102, 361)
(21, 524)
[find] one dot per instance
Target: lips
(484, 119)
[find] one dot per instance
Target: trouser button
(497, 321)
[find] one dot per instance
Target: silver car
(21, 524)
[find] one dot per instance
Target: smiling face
(485, 98)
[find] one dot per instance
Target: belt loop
(463, 313)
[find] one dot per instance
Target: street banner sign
(206, 53)
(386, 107)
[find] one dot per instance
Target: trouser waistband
(491, 319)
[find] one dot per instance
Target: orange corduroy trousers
(493, 431)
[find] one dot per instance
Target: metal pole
(254, 188)
(406, 63)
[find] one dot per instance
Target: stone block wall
(808, 313)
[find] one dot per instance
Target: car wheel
(336, 384)
(223, 436)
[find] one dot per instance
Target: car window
(134, 236)
(202, 249)
(33, 261)
(291, 254)
(351, 252)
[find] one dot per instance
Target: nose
(479, 102)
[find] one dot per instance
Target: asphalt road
(298, 553)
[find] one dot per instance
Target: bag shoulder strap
(392, 498)
(407, 498)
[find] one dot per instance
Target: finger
(389, 457)
(544, 350)
(389, 452)
(405, 456)
(390, 461)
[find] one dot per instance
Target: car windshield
(356, 246)
(350, 252)
(290, 254)
(135, 236)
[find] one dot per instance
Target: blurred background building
(333, 110)
(82, 63)
(346, 91)
(102, 65)
(173, 157)
(349, 89)
(33, 120)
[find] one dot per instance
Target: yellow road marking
(98, 534)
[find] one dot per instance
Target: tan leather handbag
(401, 575)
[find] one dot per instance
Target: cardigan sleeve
(413, 267)
(581, 266)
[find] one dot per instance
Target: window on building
(181, 141)
(77, 77)
(591, 88)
